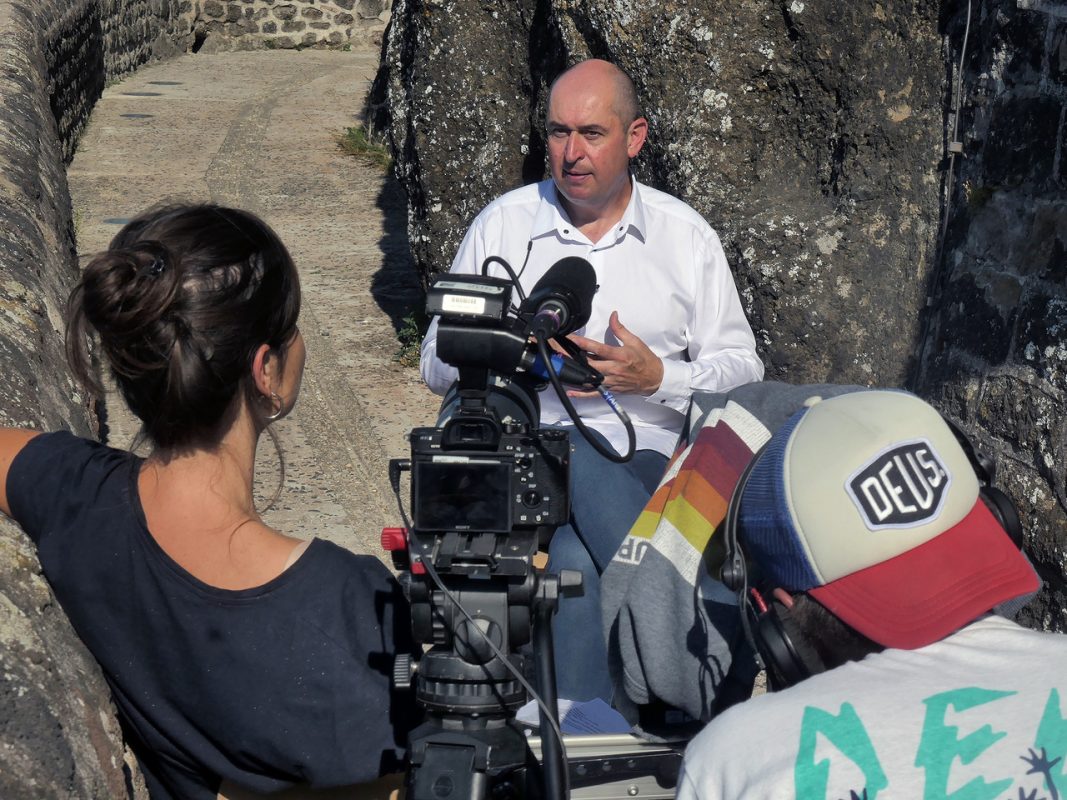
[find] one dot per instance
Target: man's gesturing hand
(630, 368)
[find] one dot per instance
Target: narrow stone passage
(258, 130)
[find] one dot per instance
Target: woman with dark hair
(235, 653)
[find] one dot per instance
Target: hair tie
(155, 268)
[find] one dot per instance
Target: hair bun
(128, 296)
(181, 300)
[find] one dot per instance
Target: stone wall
(138, 31)
(995, 355)
(248, 24)
(88, 44)
(58, 733)
(813, 136)
(59, 736)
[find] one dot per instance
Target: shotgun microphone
(562, 300)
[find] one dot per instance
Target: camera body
(487, 485)
(513, 482)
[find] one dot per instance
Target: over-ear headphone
(1001, 506)
(776, 640)
(767, 626)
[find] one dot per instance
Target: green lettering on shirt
(810, 777)
(1052, 737)
(940, 746)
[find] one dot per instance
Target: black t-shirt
(287, 683)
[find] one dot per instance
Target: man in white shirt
(882, 556)
(666, 320)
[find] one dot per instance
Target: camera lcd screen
(459, 495)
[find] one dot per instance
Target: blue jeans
(606, 499)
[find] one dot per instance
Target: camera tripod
(471, 746)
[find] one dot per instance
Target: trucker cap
(868, 502)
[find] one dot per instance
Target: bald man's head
(623, 94)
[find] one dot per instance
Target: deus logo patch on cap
(901, 487)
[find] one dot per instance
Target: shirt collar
(552, 218)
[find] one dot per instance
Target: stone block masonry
(53, 721)
(59, 736)
(285, 24)
(87, 44)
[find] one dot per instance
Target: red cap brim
(925, 594)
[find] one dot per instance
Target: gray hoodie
(673, 628)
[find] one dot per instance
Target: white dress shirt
(661, 267)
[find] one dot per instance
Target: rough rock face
(812, 134)
(808, 137)
(459, 89)
(807, 134)
(996, 352)
(59, 732)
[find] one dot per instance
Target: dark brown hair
(180, 301)
(823, 638)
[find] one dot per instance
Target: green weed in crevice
(355, 142)
(412, 329)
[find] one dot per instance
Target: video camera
(488, 489)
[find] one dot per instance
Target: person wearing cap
(879, 564)
(666, 321)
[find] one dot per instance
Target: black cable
(525, 261)
(507, 268)
(608, 452)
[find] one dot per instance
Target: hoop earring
(274, 415)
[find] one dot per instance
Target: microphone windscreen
(571, 272)
(571, 281)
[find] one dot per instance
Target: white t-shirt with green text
(980, 715)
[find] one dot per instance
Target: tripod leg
(551, 750)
